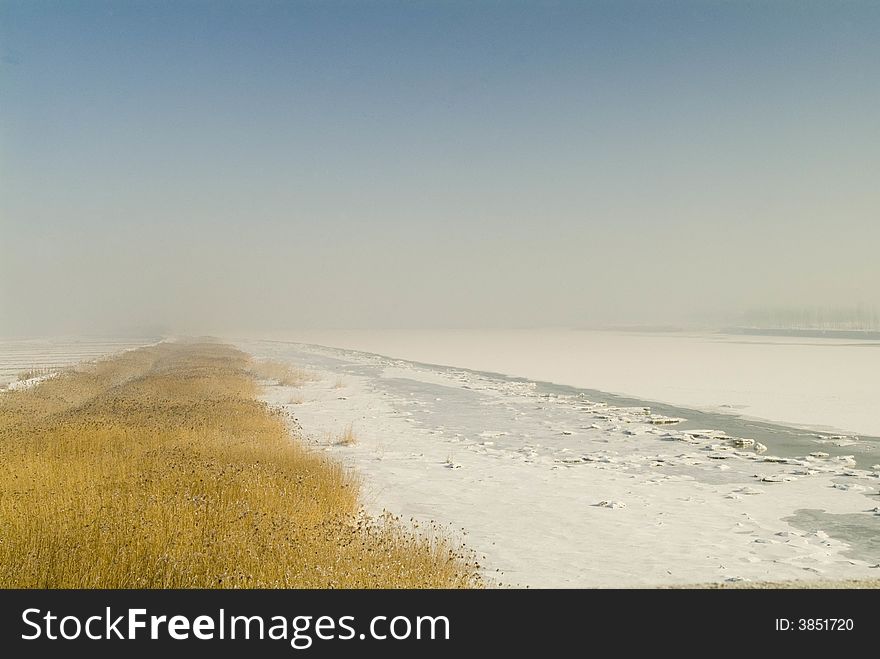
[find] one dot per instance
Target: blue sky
(212, 165)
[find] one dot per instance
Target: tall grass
(34, 372)
(347, 437)
(160, 469)
(281, 373)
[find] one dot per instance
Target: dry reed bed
(159, 469)
(280, 373)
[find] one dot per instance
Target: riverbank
(827, 385)
(158, 468)
(559, 490)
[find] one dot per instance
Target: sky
(220, 166)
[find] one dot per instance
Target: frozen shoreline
(561, 491)
(824, 384)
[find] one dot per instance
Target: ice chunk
(611, 504)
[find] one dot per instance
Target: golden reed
(158, 468)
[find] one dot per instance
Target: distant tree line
(836, 318)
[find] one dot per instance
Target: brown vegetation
(280, 373)
(159, 469)
(347, 438)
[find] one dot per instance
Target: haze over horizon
(212, 166)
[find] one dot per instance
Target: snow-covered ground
(556, 488)
(821, 383)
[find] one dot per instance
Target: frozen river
(830, 385)
(558, 485)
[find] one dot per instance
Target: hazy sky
(223, 165)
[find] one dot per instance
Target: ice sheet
(561, 490)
